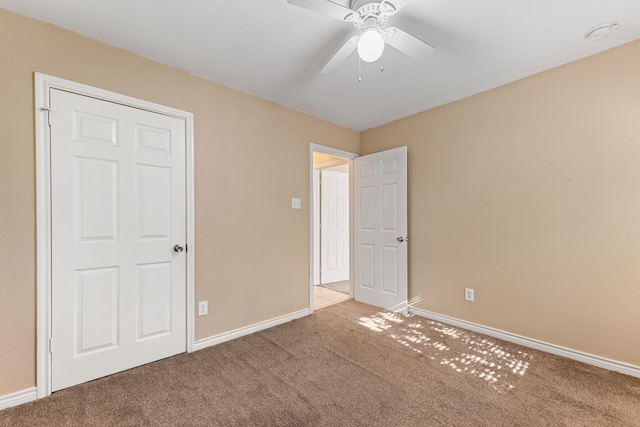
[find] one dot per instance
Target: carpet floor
(349, 365)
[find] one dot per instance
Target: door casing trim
(316, 148)
(43, 84)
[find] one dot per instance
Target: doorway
(330, 227)
(379, 239)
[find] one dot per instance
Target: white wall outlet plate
(296, 203)
(203, 308)
(469, 294)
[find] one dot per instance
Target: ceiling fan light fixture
(370, 45)
(369, 18)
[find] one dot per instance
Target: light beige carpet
(349, 365)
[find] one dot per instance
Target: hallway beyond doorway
(342, 286)
(323, 297)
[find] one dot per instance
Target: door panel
(390, 269)
(153, 193)
(118, 207)
(380, 229)
(367, 266)
(96, 193)
(94, 129)
(154, 298)
(96, 308)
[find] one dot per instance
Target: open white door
(380, 229)
(334, 214)
(118, 235)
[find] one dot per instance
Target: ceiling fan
(368, 16)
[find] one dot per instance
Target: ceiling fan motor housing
(366, 9)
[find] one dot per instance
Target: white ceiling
(275, 51)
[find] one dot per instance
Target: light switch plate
(296, 203)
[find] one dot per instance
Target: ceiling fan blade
(341, 55)
(408, 44)
(325, 7)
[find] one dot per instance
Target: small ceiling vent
(601, 31)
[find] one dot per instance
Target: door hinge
(50, 345)
(48, 110)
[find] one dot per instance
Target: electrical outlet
(469, 294)
(296, 203)
(203, 308)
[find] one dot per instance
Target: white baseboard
(18, 398)
(237, 333)
(590, 359)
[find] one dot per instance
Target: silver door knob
(400, 239)
(178, 248)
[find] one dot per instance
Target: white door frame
(315, 148)
(43, 85)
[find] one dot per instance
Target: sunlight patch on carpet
(482, 357)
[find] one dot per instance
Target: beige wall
(252, 248)
(530, 193)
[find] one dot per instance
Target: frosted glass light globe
(370, 45)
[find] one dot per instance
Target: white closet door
(118, 209)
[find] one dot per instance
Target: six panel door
(380, 229)
(118, 208)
